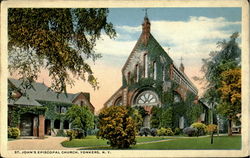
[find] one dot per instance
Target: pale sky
(190, 33)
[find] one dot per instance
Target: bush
(201, 128)
(61, 133)
(190, 131)
(177, 131)
(117, 126)
(144, 131)
(71, 134)
(161, 132)
(13, 132)
(93, 132)
(169, 132)
(211, 128)
(165, 132)
(153, 132)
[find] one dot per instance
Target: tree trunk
(230, 128)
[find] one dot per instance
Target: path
(49, 143)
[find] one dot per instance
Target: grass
(220, 142)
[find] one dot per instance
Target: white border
(143, 4)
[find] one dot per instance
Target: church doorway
(146, 121)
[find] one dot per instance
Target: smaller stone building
(39, 111)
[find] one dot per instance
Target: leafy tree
(80, 117)
(60, 40)
(211, 128)
(230, 105)
(117, 126)
(228, 57)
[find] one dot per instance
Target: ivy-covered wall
(15, 112)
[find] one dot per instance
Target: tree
(117, 126)
(211, 128)
(227, 58)
(60, 40)
(80, 117)
(230, 104)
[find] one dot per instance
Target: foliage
(59, 39)
(166, 117)
(190, 131)
(230, 104)
(80, 117)
(218, 63)
(155, 117)
(61, 133)
(136, 116)
(177, 131)
(211, 128)
(144, 131)
(13, 132)
(153, 132)
(201, 128)
(165, 132)
(117, 126)
(15, 112)
(71, 134)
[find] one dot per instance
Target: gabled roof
(39, 92)
(151, 46)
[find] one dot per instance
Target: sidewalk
(49, 143)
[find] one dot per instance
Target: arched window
(154, 70)
(163, 73)
(145, 59)
(128, 77)
(147, 98)
(118, 101)
(137, 72)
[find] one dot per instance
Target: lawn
(90, 141)
(220, 142)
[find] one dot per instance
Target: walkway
(49, 143)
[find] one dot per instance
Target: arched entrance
(146, 99)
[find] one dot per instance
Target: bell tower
(145, 28)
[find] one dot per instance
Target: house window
(145, 65)
(81, 103)
(154, 70)
(66, 124)
(137, 72)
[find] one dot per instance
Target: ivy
(15, 113)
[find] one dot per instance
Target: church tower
(145, 30)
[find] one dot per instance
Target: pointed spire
(182, 68)
(146, 28)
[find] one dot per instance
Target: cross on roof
(181, 59)
(146, 11)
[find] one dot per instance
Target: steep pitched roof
(40, 92)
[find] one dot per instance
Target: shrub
(117, 126)
(165, 132)
(161, 132)
(71, 134)
(61, 133)
(169, 132)
(93, 132)
(190, 131)
(201, 128)
(153, 132)
(177, 131)
(211, 128)
(144, 131)
(13, 132)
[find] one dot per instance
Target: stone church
(147, 68)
